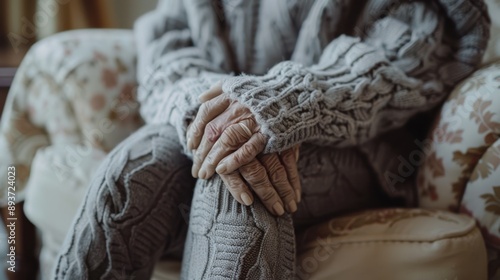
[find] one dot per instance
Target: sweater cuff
(276, 102)
(321, 103)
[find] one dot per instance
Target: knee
(213, 205)
(140, 170)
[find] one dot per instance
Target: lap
(135, 205)
(334, 181)
(131, 211)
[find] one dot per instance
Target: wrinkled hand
(274, 178)
(224, 134)
(224, 128)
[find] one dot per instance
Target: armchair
(73, 101)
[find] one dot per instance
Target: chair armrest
(384, 244)
(74, 87)
(466, 128)
(462, 167)
(392, 244)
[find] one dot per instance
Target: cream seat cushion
(394, 244)
(376, 244)
(56, 188)
(388, 244)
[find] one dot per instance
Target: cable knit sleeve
(365, 85)
(179, 57)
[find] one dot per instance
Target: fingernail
(194, 172)
(203, 173)
(278, 209)
(298, 195)
(292, 207)
(189, 142)
(221, 167)
(246, 199)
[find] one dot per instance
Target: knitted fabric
(341, 74)
(333, 73)
(139, 205)
(130, 215)
(398, 58)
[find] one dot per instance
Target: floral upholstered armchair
(73, 100)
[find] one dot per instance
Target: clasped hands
(225, 138)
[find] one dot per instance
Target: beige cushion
(397, 244)
(393, 244)
(57, 185)
(389, 244)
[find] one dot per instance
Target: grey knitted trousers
(138, 208)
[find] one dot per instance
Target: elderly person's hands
(225, 137)
(223, 129)
(273, 178)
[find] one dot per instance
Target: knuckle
(288, 156)
(267, 195)
(279, 175)
(294, 176)
(228, 139)
(250, 122)
(234, 187)
(272, 162)
(239, 158)
(255, 174)
(204, 109)
(195, 129)
(198, 157)
(260, 180)
(249, 149)
(287, 193)
(210, 159)
(212, 132)
(239, 132)
(232, 182)
(261, 140)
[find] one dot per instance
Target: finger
(297, 152)
(231, 139)
(248, 151)
(200, 155)
(213, 92)
(207, 112)
(234, 136)
(256, 176)
(279, 179)
(289, 160)
(238, 188)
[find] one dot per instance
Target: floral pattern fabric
(462, 168)
(70, 89)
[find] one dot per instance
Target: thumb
(213, 92)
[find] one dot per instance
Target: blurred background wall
(22, 22)
(128, 10)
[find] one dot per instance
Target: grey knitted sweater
(336, 73)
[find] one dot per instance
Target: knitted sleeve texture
(177, 61)
(403, 62)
